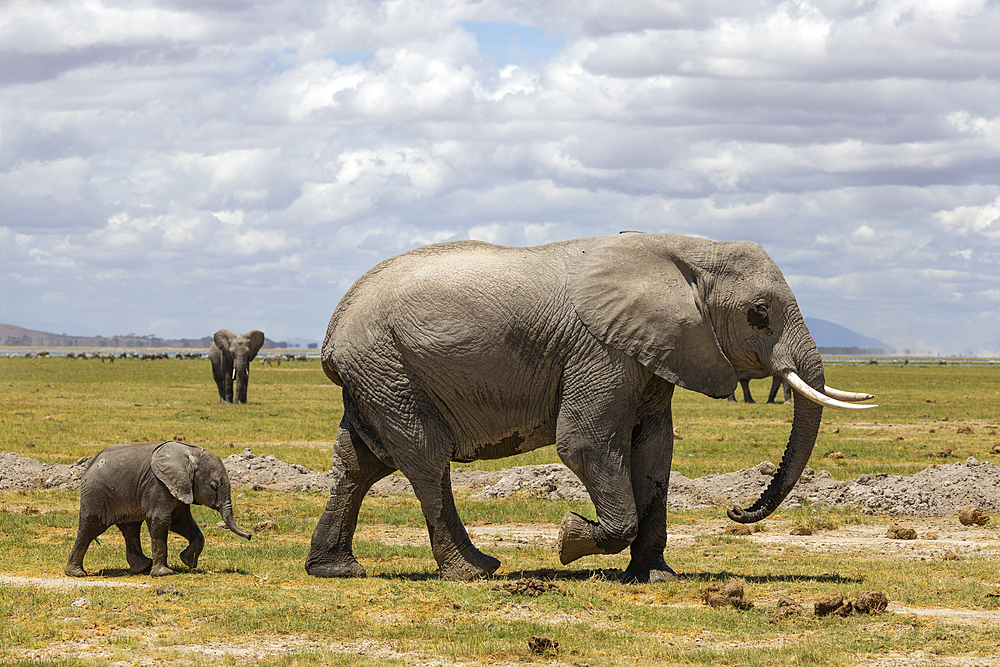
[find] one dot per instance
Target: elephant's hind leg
(138, 562)
(182, 523)
(355, 469)
(457, 558)
(88, 529)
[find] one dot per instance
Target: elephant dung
(972, 516)
(543, 645)
(730, 595)
(896, 532)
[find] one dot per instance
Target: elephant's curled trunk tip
(737, 514)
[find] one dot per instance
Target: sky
(173, 167)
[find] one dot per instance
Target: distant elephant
(466, 350)
(777, 382)
(125, 485)
(231, 355)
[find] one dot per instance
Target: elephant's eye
(757, 316)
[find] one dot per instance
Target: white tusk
(849, 396)
(799, 385)
(234, 373)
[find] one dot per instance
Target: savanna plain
(252, 602)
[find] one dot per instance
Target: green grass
(255, 593)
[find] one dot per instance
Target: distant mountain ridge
(834, 339)
(15, 336)
(830, 338)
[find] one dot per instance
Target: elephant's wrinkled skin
(126, 484)
(466, 350)
(231, 355)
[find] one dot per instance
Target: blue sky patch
(514, 43)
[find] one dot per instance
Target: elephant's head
(694, 312)
(196, 477)
(239, 350)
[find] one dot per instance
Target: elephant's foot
(338, 568)
(190, 557)
(74, 570)
(160, 571)
(576, 538)
(468, 567)
(140, 565)
(651, 573)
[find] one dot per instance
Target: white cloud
(225, 158)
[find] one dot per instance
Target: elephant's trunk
(226, 510)
(805, 427)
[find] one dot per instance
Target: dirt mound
(939, 490)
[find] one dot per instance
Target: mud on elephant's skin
(231, 355)
(127, 484)
(466, 350)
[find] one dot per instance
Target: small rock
(972, 516)
(800, 530)
(767, 468)
(835, 455)
(996, 448)
(931, 536)
(738, 529)
(949, 555)
(168, 590)
(964, 429)
(80, 602)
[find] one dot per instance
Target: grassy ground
(252, 602)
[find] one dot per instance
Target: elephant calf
(125, 485)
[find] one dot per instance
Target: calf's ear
(175, 464)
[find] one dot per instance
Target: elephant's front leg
(457, 558)
(593, 438)
(182, 523)
(652, 450)
(159, 526)
(138, 562)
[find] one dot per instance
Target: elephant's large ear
(635, 293)
(175, 465)
(223, 340)
(256, 340)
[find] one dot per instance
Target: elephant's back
(444, 299)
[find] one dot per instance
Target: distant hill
(15, 336)
(834, 339)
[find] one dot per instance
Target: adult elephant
(231, 355)
(777, 382)
(466, 350)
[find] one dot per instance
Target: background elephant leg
(747, 396)
(775, 383)
(652, 451)
(182, 523)
(89, 527)
(137, 561)
(159, 526)
(355, 469)
(457, 558)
